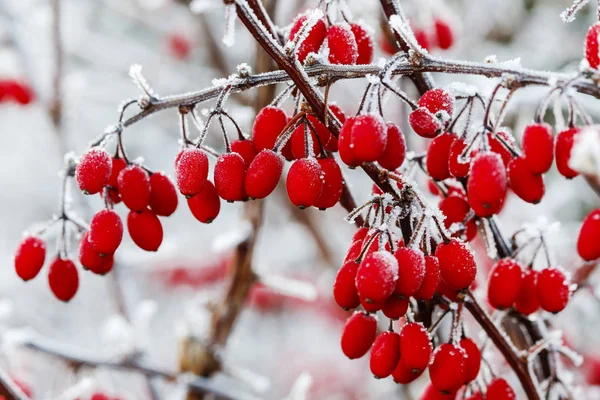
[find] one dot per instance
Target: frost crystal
(230, 18)
(135, 72)
(569, 14)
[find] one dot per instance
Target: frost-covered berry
(230, 177)
(90, 259)
(592, 50)
(118, 165)
(431, 280)
(134, 187)
(456, 208)
(191, 171)
(538, 147)
(163, 195)
(443, 33)
(438, 100)
(93, 170)
(268, 125)
(332, 143)
(497, 147)
(376, 276)
(459, 166)
(486, 187)
(588, 243)
(552, 289)
(333, 184)
(244, 148)
(563, 146)
(504, 283)
(63, 279)
(524, 183)
(345, 145)
(425, 123)
(395, 148)
(263, 174)
(206, 205)
(447, 370)
(344, 288)
(438, 154)
(368, 137)
(472, 359)
(364, 43)
(145, 229)
(527, 301)
(395, 307)
(313, 40)
(358, 334)
(106, 232)
(353, 251)
(411, 271)
(342, 45)
(499, 389)
(457, 264)
(30, 257)
(385, 354)
(304, 182)
(415, 346)
(298, 142)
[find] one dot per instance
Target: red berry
(431, 393)
(499, 389)
(438, 100)
(90, 258)
(304, 182)
(353, 251)
(527, 301)
(592, 51)
(504, 283)
(411, 271)
(457, 264)
(422, 38)
(345, 145)
(118, 165)
(425, 123)
(93, 170)
(333, 184)
(395, 307)
(244, 148)
(563, 147)
(447, 370)
(344, 288)
(538, 147)
(431, 280)
(371, 306)
(444, 34)
(342, 45)
(385, 354)
(438, 154)
(191, 171)
(30, 257)
(377, 276)
(268, 125)
(106, 232)
(63, 279)
(552, 289)
(415, 346)
(179, 46)
(145, 229)
(313, 40)
(263, 174)
(364, 42)
(497, 147)
(358, 334)
(205, 206)
(588, 245)
(332, 144)
(163, 195)
(403, 375)
(472, 360)
(134, 187)
(99, 396)
(459, 166)
(526, 185)
(230, 176)
(360, 234)
(456, 208)
(395, 149)
(299, 144)
(368, 137)
(18, 91)
(486, 187)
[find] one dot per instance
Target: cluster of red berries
(440, 35)
(17, 91)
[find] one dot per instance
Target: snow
(585, 154)
(230, 18)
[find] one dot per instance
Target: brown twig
(55, 106)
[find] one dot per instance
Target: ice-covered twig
(569, 14)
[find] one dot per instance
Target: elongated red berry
(145, 229)
(447, 370)
(425, 123)
(438, 100)
(395, 307)
(486, 187)
(472, 359)
(30, 257)
(431, 280)
(456, 208)
(93, 170)
(342, 45)
(371, 306)
(385, 354)
(332, 144)
(364, 43)
(369, 137)
(588, 244)
(527, 301)
(444, 34)
(333, 184)
(90, 258)
(377, 276)
(499, 389)
(118, 165)
(191, 171)
(497, 147)
(205, 206)
(431, 393)
(457, 164)
(457, 264)
(538, 147)
(244, 148)
(592, 50)
(403, 375)
(395, 148)
(268, 125)
(438, 154)
(524, 183)
(345, 146)
(415, 346)
(106, 231)
(134, 187)
(563, 146)
(263, 174)
(63, 279)
(411, 270)
(552, 289)
(358, 334)
(304, 182)
(298, 142)
(353, 251)
(344, 288)
(163, 195)
(313, 39)
(230, 177)
(504, 283)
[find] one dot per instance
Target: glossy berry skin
(368, 137)
(524, 183)
(395, 307)
(472, 360)
(93, 170)
(344, 288)
(591, 49)
(118, 165)
(353, 251)
(457, 264)
(342, 45)
(411, 270)
(298, 142)
(206, 205)
(425, 123)
(444, 34)
(563, 146)
(415, 346)
(364, 43)
(230, 177)
(244, 148)
(163, 195)
(332, 143)
(588, 245)
(268, 125)
(486, 187)
(333, 184)
(89, 258)
(385, 354)
(395, 149)
(497, 147)
(376, 276)
(538, 147)
(145, 229)
(313, 40)
(499, 389)
(431, 393)
(403, 375)
(504, 283)
(552, 289)
(106, 232)
(456, 208)
(438, 154)
(431, 280)
(358, 334)
(63, 279)
(191, 171)
(527, 301)
(304, 182)
(345, 144)
(458, 167)
(447, 370)
(360, 234)
(30, 257)
(263, 174)
(370, 305)
(134, 187)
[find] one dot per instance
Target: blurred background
(283, 345)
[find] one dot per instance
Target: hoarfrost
(230, 18)
(585, 154)
(568, 15)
